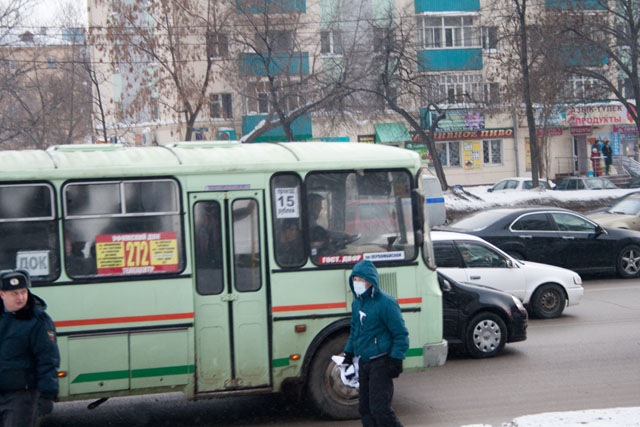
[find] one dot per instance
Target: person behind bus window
(30, 358)
(323, 241)
(318, 235)
(289, 250)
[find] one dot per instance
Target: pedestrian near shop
(29, 357)
(607, 153)
(595, 158)
(380, 339)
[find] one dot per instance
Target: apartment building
(273, 70)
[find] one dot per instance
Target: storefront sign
(580, 130)
(474, 134)
(625, 129)
(369, 139)
(461, 120)
(598, 114)
(550, 132)
(472, 154)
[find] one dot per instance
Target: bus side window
(29, 230)
(287, 220)
(114, 228)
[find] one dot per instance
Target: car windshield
(628, 206)
(478, 221)
(598, 183)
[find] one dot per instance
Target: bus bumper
(435, 354)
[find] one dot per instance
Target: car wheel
(328, 394)
(486, 335)
(629, 262)
(548, 301)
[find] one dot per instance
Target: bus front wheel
(326, 391)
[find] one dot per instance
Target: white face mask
(359, 287)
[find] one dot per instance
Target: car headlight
(518, 303)
(577, 280)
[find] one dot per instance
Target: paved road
(589, 358)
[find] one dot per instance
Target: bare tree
(165, 52)
(279, 73)
(607, 39)
(387, 75)
(529, 62)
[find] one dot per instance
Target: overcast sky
(46, 11)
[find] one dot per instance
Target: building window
(331, 42)
(447, 31)
(220, 104)
(383, 39)
(276, 41)
(626, 88)
(492, 151)
(458, 88)
(289, 96)
(491, 93)
(449, 153)
(489, 37)
(52, 62)
(9, 65)
(584, 88)
(218, 45)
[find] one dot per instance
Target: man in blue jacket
(380, 338)
(29, 356)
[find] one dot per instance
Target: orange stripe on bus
(126, 319)
(417, 300)
(303, 307)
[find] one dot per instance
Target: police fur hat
(11, 280)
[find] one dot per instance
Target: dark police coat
(29, 357)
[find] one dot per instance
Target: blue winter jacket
(377, 326)
(29, 357)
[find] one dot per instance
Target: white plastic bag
(348, 373)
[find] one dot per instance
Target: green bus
(217, 268)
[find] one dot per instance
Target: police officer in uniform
(29, 357)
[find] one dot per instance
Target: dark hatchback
(479, 319)
(557, 236)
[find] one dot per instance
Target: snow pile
(460, 201)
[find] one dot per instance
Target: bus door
(232, 344)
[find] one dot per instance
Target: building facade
(276, 70)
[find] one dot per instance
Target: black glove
(395, 367)
(348, 358)
(45, 406)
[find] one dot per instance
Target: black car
(480, 319)
(559, 237)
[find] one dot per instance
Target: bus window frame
(173, 215)
(54, 258)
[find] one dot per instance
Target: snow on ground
(475, 198)
(614, 417)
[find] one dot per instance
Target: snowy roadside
(613, 417)
(470, 199)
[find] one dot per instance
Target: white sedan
(519, 183)
(546, 289)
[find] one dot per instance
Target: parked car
(480, 319)
(545, 289)
(634, 183)
(519, 183)
(585, 183)
(557, 236)
(625, 213)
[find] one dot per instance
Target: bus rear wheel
(326, 391)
